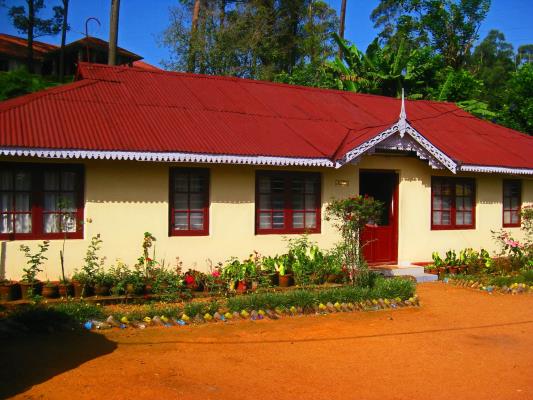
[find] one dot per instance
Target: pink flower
(215, 273)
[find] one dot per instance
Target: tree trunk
(63, 41)
(113, 32)
(31, 24)
(342, 22)
(191, 64)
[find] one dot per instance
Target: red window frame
(204, 174)
(453, 210)
(288, 210)
(37, 192)
(517, 195)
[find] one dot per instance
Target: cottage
(217, 167)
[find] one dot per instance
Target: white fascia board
(496, 170)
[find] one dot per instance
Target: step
(415, 271)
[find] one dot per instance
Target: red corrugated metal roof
(132, 109)
(16, 47)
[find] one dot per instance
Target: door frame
(395, 209)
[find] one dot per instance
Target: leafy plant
(351, 216)
(34, 263)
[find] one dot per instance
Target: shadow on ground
(32, 359)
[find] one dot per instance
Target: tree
(385, 70)
(64, 28)
(113, 32)
(492, 62)
(525, 54)
(249, 38)
(20, 82)
(449, 26)
(25, 18)
(342, 23)
(518, 107)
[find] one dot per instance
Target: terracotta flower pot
(101, 290)
(82, 289)
(9, 291)
(131, 289)
(50, 291)
(285, 280)
(241, 286)
(65, 289)
(25, 289)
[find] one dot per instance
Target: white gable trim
(437, 158)
(167, 157)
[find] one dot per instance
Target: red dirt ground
(459, 344)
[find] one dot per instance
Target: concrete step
(413, 270)
(426, 278)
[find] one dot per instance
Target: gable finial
(402, 122)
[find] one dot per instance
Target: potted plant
(29, 285)
(284, 277)
(234, 273)
(103, 282)
(9, 290)
(64, 287)
(82, 283)
(50, 290)
(134, 282)
(83, 280)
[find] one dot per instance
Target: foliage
(473, 260)
(493, 62)
(20, 18)
(145, 261)
(34, 262)
(19, 82)
(41, 319)
(79, 310)
(351, 215)
(458, 85)
(450, 26)
(517, 112)
(28, 21)
(93, 263)
(253, 39)
(304, 258)
(308, 74)
(306, 299)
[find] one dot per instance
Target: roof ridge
(238, 79)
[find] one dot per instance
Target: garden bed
(383, 294)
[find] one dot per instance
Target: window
(41, 201)
(512, 199)
(287, 202)
(453, 204)
(189, 199)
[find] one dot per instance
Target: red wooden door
(381, 241)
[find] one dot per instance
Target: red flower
(148, 259)
(189, 279)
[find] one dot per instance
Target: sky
(142, 21)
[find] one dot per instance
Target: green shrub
(79, 310)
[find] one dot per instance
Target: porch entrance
(382, 239)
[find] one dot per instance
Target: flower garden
(323, 281)
(511, 271)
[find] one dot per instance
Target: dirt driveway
(460, 344)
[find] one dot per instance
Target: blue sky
(141, 22)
